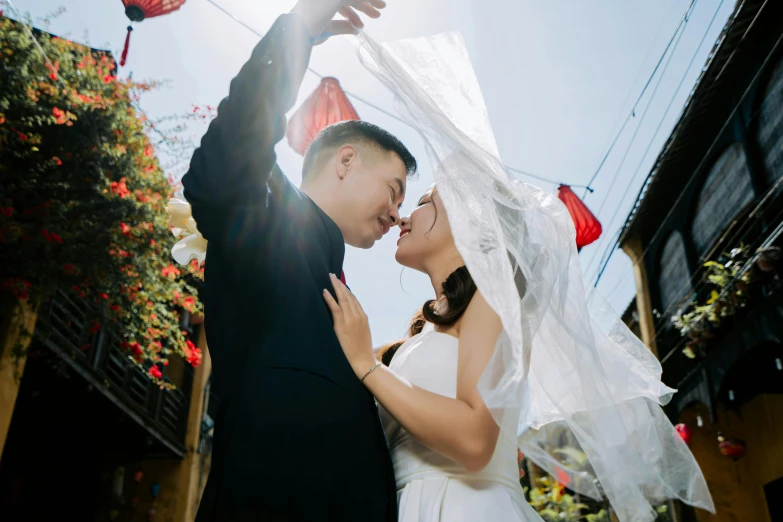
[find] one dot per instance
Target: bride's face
(425, 236)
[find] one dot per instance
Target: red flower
(2, 120)
(115, 307)
(95, 327)
(119, 188)
(7, 212)
(57, 160)
(53, 70)
(125, 228)
(192, 353)
(136, 350)
(18, 286)
(189, 302)
(108, 78)
(104, 296)
(69, 269)
(51, 237)
(170, 271)
(60, 115)
(155, 372)
(148, 151)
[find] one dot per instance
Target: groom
(297, 437)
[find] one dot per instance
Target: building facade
(704, 237)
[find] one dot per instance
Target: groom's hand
(317, 16)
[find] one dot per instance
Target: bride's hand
(351, 326)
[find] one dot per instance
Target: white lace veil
(564, 359)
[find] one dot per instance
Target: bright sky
(558, 76)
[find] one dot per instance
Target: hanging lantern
(138, 10)
(155, 489)
(137, 476)
(520, 458)
(328, 104)
(731, 447)
(685, 432)
(562, 477)
(588, 228)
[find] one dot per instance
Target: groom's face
(373, 192)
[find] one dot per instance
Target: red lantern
(685, 432)
(732, 448)
(138, 10)
(328, 104)
(588, 228)
(520, 458)
(562, 476)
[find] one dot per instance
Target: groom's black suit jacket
(297, 437)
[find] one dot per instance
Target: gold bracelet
(369, 372)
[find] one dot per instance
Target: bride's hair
(458, 289)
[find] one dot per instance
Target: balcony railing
(762, 229)
(65, 326)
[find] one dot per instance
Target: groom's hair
(359, 133)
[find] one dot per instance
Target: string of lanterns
(329, 104)
(730, 447)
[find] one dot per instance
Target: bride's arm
(463, 428)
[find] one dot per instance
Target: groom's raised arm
(231, 168)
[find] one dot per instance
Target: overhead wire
(705, 157)
(384, 111)
(632, 114)
(628, 149)
(660, 124)
(631, 90)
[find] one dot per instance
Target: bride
(452, 461)
(514, 345)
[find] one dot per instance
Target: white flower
(193, 245)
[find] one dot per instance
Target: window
(725, 193)
(675, 276)
(770, 129)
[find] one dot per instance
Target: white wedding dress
(431, 487)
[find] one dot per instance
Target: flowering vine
(83, 198)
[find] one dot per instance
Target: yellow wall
(737, 489)
(16, 317)
(181, 481)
